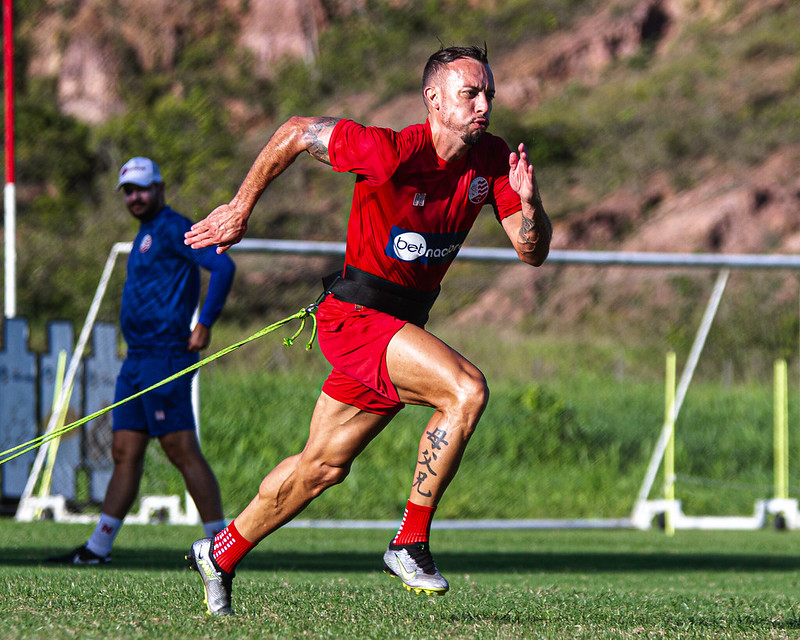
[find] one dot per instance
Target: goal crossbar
(503, 254)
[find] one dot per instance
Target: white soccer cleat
(216, 582)
(414, 565)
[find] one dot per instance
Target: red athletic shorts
(354, 340)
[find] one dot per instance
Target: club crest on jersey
(147, 242)
(478, 190)
(423, 248)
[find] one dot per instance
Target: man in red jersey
(416, 196)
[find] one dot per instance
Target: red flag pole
(9, 194)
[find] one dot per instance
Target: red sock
(230, 547)
(416, 525)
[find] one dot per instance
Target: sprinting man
(417, 194)
(161, 293)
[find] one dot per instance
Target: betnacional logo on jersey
(424, 248)
(478, 190)
(147, 242)
(409, 246)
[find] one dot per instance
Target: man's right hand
(222, 227)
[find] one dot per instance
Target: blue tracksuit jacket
(162, 288)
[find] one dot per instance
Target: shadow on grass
(469, 562)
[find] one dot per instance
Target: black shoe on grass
(80, 555)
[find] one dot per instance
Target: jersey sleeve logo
(478, 190)
(424, 248)
(146, 243)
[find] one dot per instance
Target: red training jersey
(411, 210)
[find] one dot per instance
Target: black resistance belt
(360, 287)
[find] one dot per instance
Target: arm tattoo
(527, 231)
(316, 147)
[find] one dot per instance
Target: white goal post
(644, 509)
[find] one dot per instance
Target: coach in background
(161, 293)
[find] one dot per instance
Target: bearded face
(466, 91)
(144, 202)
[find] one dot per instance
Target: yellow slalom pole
(669, 453)
(781, 430)
(47, 475)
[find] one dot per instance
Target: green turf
(328, 584)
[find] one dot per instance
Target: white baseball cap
(139, 171)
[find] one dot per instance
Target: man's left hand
(201, 336)
(522, 178)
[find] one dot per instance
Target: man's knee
(472, 393)
(126, 458)
(128, 449)
(320, 475)
(317, 475)
(181, 448)
(311, 478)
(179, 458)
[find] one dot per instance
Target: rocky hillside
(698, 202)
(84, 44)
(87, 46)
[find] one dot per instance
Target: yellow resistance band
(309, 311)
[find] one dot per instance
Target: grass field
(327, 584)
(552, 443)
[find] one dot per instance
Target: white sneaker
(216, 582)
(414, 565)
